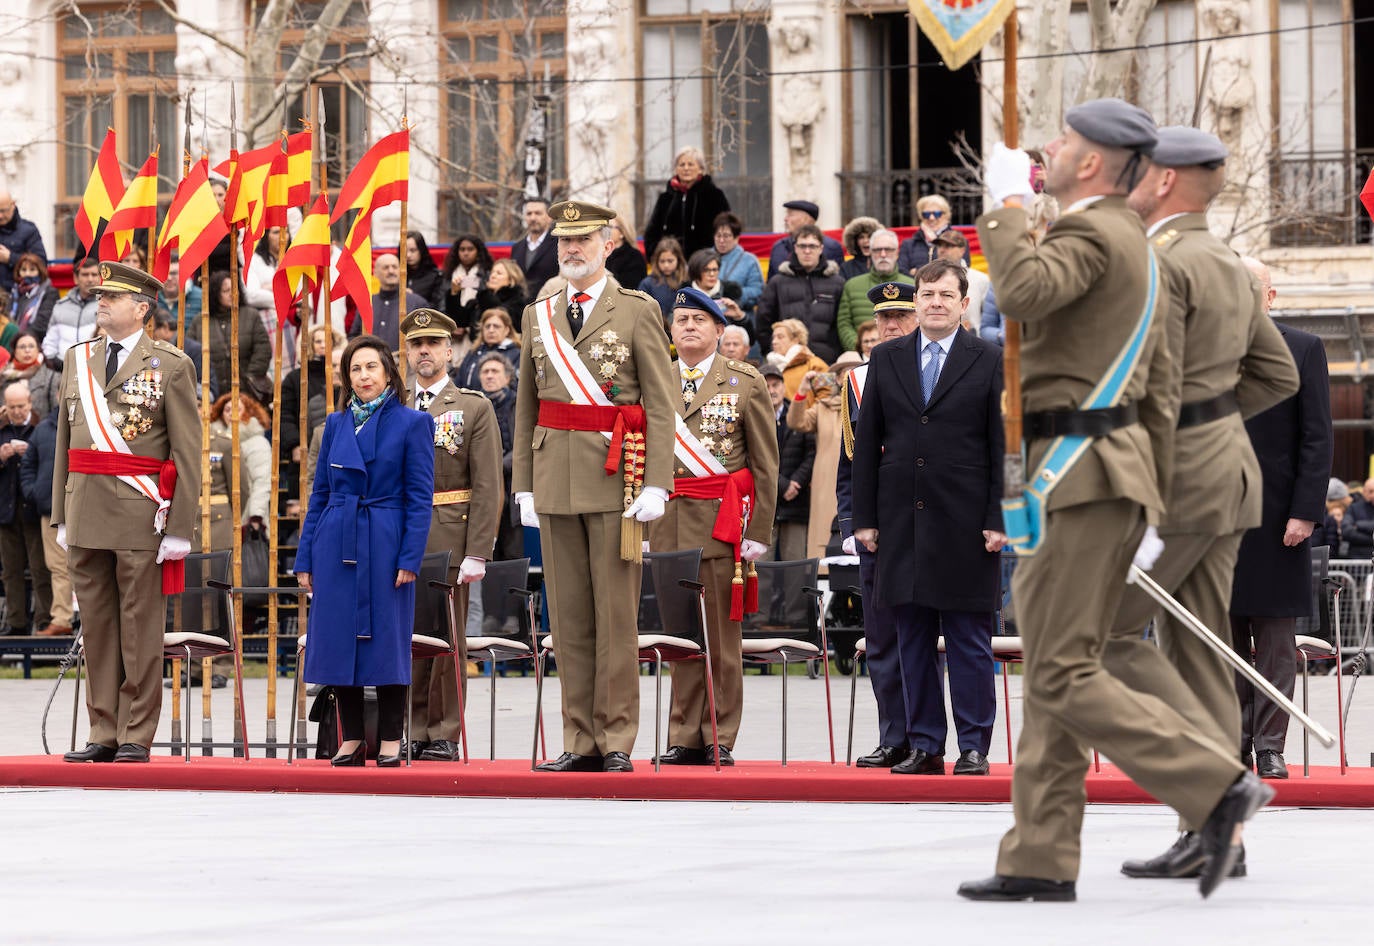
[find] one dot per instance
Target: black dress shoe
(390, 761)
(94, 752)
(681, 755)
(1246, 796)
(356, 758)
(971, 762)
(571, 762)
(131, 752)
(1270, 764)
(883, 757)
(725, 757)
(998, 887)
(920, 762)
(617, 762)
(418, 747)
(442, 750)
(1184, 859)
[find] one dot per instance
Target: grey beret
(1180, 146)
(1114, 123)
(1335, 490)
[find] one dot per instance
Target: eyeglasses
(711, 269)
(932, 214)
(808, 246)
(882, 250)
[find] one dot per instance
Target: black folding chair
(508, 627)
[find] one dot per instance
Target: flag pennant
(137, 209)
(960, 28)
(355, 270)
(382, 176)
(1367, 193)
(194, 224)
(288, 181)
(104, 190)
(303, 259)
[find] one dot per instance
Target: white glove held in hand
(649, 506)
(472, 569)
(173, 548)
(751, 551)
(62, 535)
(849, 546)
(528, 517)
(1150, 548)
(1008, 174)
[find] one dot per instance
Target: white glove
(1008, 174)
(62, 535)
(649, 506)
(528, 517)
(1150, 548)
(751, 551)
(472, 569)
(849, 546)
(173, 548)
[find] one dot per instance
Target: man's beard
(577, 270)
(886, 272)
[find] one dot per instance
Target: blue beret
(691, 298)
(892, 295)
(805, 206)
(1114, 123)
(1180, 146)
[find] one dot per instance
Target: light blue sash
(1024, 518)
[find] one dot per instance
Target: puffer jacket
(811, 297)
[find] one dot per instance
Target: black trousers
(1276, 658)
(391, 708)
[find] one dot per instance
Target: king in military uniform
(125, 495)
(1100, 403)
(726, 453)
(468, 485)
(592, 462)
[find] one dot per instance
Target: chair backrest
(431, 604)
(201, 609)
(784, 610)
(505, 614)
(665, 607)
(1318, 621)
(846, 608)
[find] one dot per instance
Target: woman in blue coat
(361, 546)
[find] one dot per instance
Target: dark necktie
(424, 399)
(575, 312)
(112, 360)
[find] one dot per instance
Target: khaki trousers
(593, 613)
(56, 557)
(689, 721)
(123, 614)
(434, 683)
(1197, 570)
(1068, 595)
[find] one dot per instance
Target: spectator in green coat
(854, 308)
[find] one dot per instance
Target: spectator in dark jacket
(919, 248)
(626, 263)
(35, 484)
(21, 541)
(1360, 515)
(17, 237)
(796, 457)
(467, 265)
(422, 275)
(503, 288)
(34, 296)
(855, 240)
(498, 334)
(667, 276)
(798, 214)
(1339, 528)
(497, 376)
(688, 206)
(255, 347)
(806, 288)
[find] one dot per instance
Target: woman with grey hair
(687, 208)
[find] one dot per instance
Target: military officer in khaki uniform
(726, 465)
(1235, 364)
(129, 428)
(594, 363)
(468, 499)
(1096, 401)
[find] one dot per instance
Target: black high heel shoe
(357, 757)
(391, 761)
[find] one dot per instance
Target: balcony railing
(1321, 193)
(891, 196)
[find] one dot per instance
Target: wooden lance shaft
(1013, 473)
(235, 474)
(206, 672)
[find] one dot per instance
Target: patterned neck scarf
(361, 412)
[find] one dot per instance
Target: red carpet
(749, 781)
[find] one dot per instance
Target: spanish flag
(355, 269)
(307, 255)
(288, 180)
(193, 224)
(137, 209)
(104, 189)
(382, 176)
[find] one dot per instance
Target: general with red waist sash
(736, 494)
(101, 463)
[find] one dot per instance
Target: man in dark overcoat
(928, 461)
(1273, 580)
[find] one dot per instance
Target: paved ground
(21, 704)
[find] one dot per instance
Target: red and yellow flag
(303, 259)
(137, 209)
(382, 176)
(104, 189)
(288, 181)
(355, 270)
(193, 224)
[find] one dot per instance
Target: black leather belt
(1094, 423)
(1203, 412)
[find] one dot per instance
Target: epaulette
(1165, 237)
(636, 293)
(470, 391)
(743, 367)
(546, 295)
(92, 340)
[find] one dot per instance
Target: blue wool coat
(369, 516)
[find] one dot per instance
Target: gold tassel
(846, 425)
